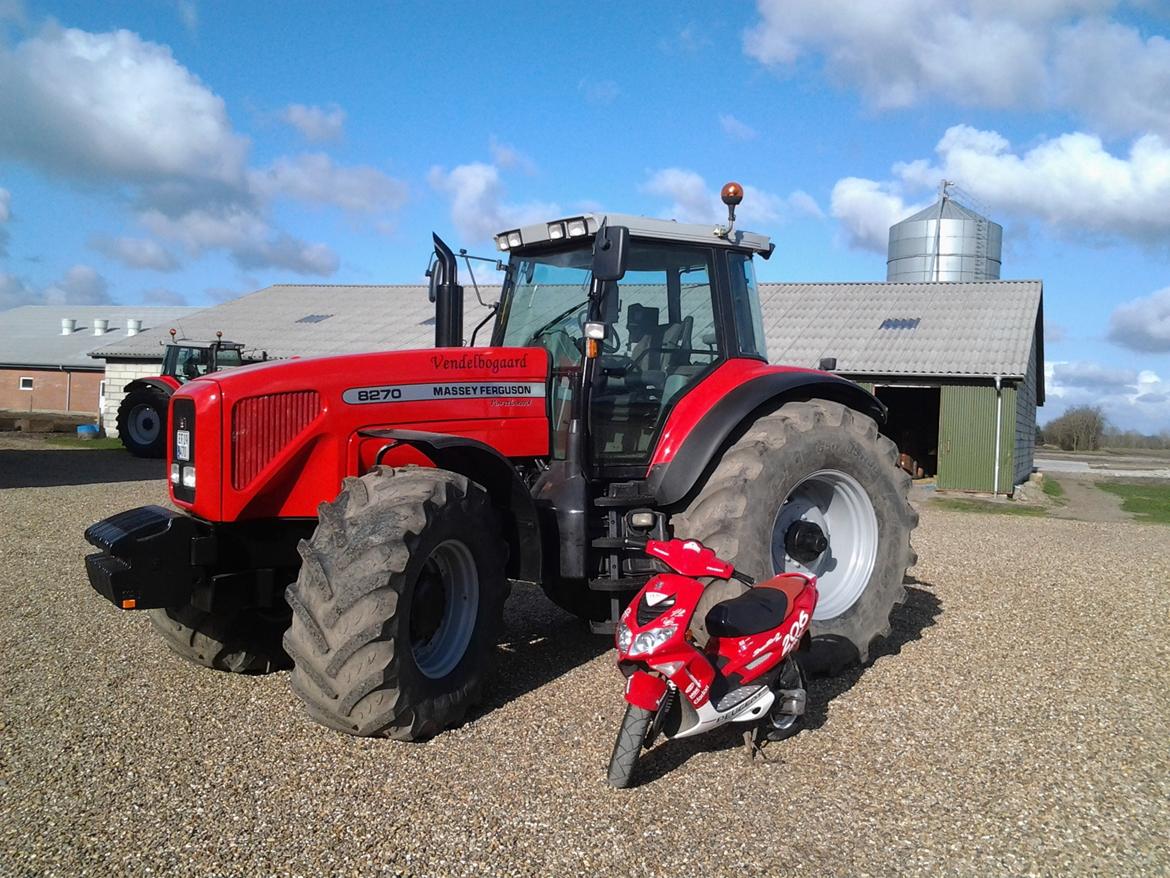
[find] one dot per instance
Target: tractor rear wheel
(811, 470)
(398, 603)
(142, 422)
(243, 642)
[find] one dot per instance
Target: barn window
(26, 383)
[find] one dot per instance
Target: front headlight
(189, 477)
(622, 637)
(648, 641)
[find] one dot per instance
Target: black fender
(733, 413)
(150, 384)
(486, 466)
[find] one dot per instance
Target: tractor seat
(758, 609)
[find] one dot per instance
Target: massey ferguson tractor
(362, 517)
(142, 416)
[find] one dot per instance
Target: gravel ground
(1017, 723)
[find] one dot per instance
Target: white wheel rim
(841, 508)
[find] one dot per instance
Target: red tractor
(361, 517)
(142, 416)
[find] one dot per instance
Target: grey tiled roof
(982, 328)
(923, 329)
(31, 335)
(309, 320)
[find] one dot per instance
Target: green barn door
(966, 438)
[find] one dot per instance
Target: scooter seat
(756, 610)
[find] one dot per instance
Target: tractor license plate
(183, 444)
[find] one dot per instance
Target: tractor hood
(276, 439)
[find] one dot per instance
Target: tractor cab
(681, 301)
(186, 359)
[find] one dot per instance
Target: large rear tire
(142, 422)
(823, 463)
(628, 746)
(398, 603)
(242, 642)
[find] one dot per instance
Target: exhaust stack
(447, 295)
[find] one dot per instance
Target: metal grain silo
(946, 241)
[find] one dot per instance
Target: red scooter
(745, 672)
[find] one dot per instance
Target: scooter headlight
(622, 637)
(648, 641)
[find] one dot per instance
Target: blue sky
(188, 152)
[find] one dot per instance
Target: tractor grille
(263, 425)
(647, 614)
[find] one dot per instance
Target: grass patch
(1053, 488)
(957, 504)
(1147, 500)
(102, 444)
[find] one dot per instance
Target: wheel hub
(805, 541)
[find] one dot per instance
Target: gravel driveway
(1017, 723)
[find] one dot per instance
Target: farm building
(44, 352)
(950, 360)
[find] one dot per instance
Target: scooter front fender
(645, 690)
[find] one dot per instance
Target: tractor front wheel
(142, 422)
(813, 488)
(398, 603)
(243, 641)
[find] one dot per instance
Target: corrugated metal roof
(924, 329)
(31, 334)
(309, 320)
(980, 328)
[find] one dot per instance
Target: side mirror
(611, 251)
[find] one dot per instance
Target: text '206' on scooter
(736, 662)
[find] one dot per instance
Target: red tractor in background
(361, 517)
(142, 415)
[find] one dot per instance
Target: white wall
(119, 373)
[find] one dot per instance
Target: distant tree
(1039, 436)
(1079, 429)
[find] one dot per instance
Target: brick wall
(118, 375)
(52, 391)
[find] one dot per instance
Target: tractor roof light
(502, 242)
(556, 231)
(577, 227)
(514, 239)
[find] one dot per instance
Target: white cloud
(1071, 182)
(866, 209)
(14, 292)
(315, 178)
(81, 285)
(113, 106)
(1143, 324)
(316, 124)
(137, 253)
(693, 201)
(1131, 399)
(736, 129)
(247, 237)
(508, 157)
(989, 53)
(478, 209)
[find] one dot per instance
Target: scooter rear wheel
(628, 746)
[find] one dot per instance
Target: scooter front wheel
(628, 746)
